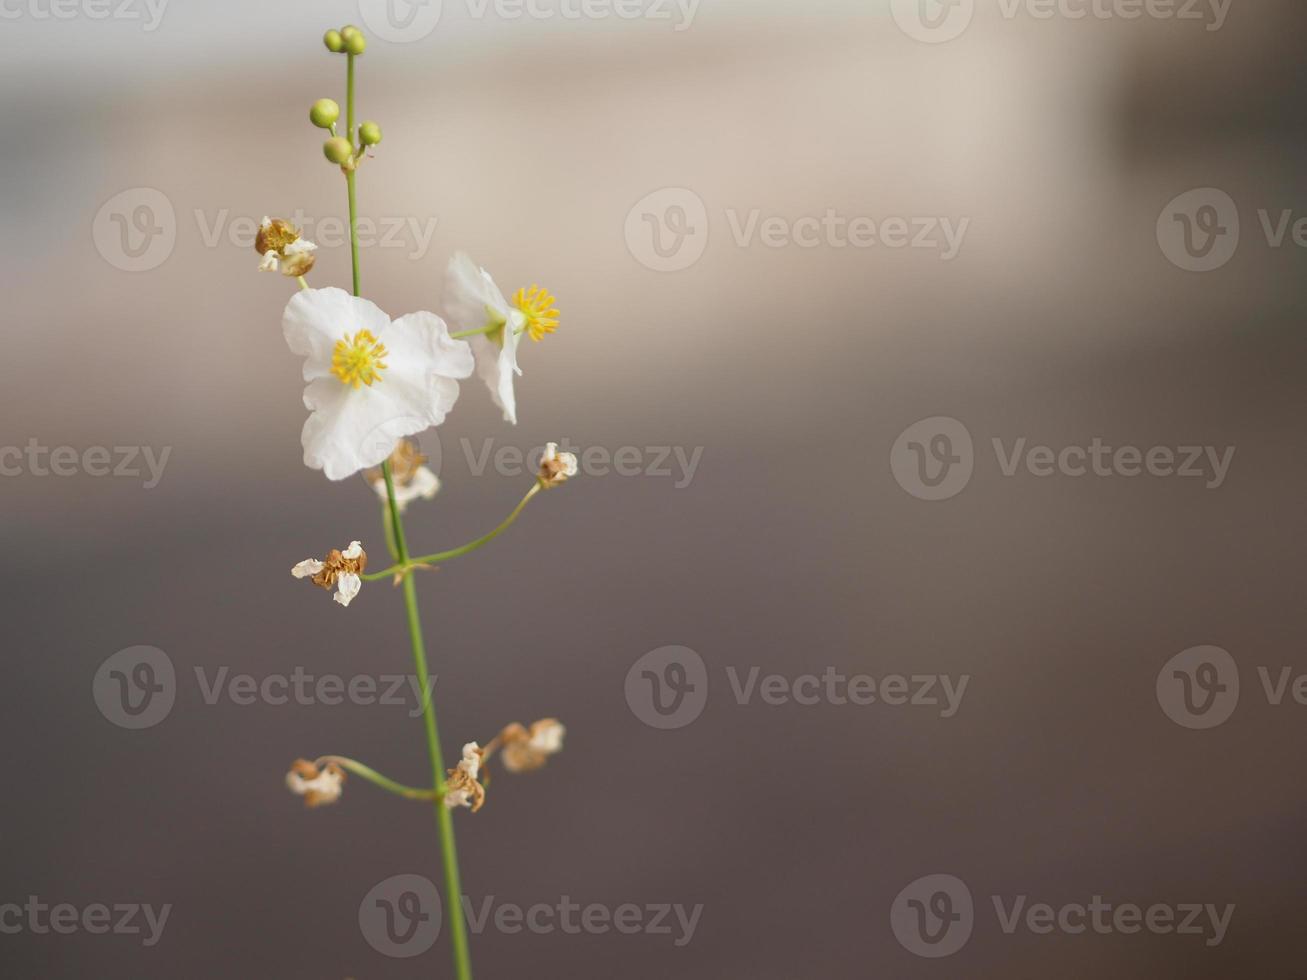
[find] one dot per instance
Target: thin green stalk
(349, 175)
(377, 779)
(444, 818)
(405, 562)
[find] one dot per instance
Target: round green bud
(355, 43)
(324, 113)
(338, 150)
(369, 133)
(334, 42)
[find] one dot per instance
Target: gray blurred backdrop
(689, 181)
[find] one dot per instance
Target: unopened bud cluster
(325, 113)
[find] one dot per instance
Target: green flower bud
(334, 42)
(369, 133)
(338, 150)
(324, 113)
(349, 29)
(355, 43)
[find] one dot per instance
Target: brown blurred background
(792, 548)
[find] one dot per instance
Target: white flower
(462, 788)
(473, 301)
(556, 467)
(317, 788)
(341, 569)
(371, 380)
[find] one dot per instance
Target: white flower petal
(425, 484)
(547, 738)
(354, 551)
(497, 366)
(472, 299)
(268, 261)
(471, 763)
(309, 566)
(347, 587)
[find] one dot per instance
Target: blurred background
(782, 235)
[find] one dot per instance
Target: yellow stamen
(358, 360)
(538, 307)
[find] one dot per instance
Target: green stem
(349, 175)
(406, 562)
(444, 819)
(488, 328)
(377, 779)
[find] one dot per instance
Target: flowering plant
(371, 383)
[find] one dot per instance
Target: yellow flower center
(358, 360)
(538, 307)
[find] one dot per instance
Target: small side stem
(404, 562)
(377, 779)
